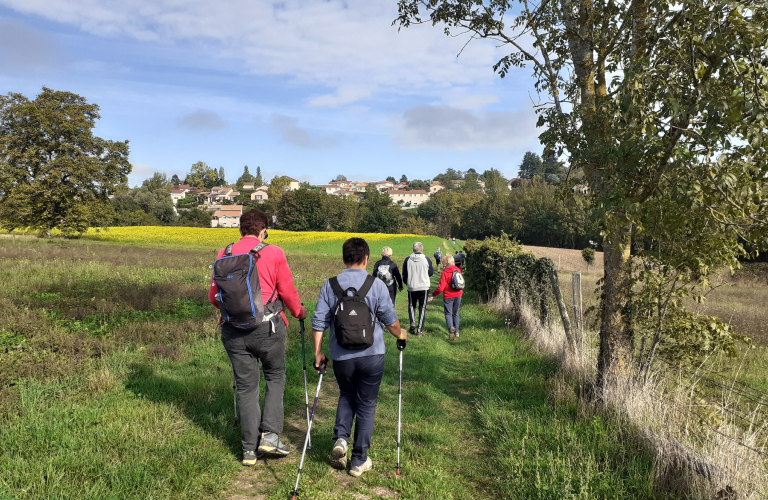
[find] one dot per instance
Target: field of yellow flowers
(310, 241)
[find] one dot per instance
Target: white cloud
(345, 94)
(348, 46)
(445, 127)
(202, 121)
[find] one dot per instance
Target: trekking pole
(401, 348)
(234, 395)
(304, 361)
(323, 368)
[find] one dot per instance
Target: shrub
(588, 254)
(497, 267)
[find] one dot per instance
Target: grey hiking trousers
(245, 349)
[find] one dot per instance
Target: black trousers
(359, 381)
(392, 292)
(417, 302)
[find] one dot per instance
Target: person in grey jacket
(358, 372)
(417, 270)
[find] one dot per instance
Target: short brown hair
(252, 222)
(354, 251)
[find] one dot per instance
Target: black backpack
(239, 289)
(352, 319)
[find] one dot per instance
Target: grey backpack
(385, 275)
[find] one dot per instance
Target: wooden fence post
(561, 305)
(578, 312)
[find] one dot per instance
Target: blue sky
(307, 88)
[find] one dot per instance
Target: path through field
(114, 384)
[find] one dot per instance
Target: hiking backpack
(385, 275)
(239, 289)
(352, 319)
(457, 281)
(438, 254)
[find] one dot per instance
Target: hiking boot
(452, 334)
(457, 334)
(249, 458)
(339, 455)
(412, 329)
(271, 445)
(357, 470)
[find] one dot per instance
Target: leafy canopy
(54, 173)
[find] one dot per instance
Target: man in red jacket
(451, 297)
(266, 342)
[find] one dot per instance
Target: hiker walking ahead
(452, 287)
(417, 269)
(438, 255)
(263, 339)
(357, 349)
(458, 259)
(386, 270)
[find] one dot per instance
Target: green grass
(144, 410)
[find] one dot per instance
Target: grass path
(155, 423)
(477, 423)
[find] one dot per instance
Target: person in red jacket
(451, 297)
(265, 343)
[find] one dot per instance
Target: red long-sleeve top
(445, 284)
(274, 272)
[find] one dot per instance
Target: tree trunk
(616, 338)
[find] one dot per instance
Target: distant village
(221, 199)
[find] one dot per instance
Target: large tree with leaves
(54, 173)
(203, 176)
(655, 102)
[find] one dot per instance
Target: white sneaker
(339, 455)
(357, 470)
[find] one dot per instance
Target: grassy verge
(141, 407)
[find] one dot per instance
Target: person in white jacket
(417, 270)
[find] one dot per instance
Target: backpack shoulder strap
(337, 290)
(258, 248)
(369, 280)
(228, 250)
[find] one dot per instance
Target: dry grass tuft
(701, 450)
(101, 380)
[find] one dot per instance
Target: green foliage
(588, 254)
(534, 213)
(378, 214)
(689, 338)
(495, 184)
(447, 178)
(301, 210)
(54, 173)
(498, 267)
(203, 176)
(530, 166)
(158, 182)
(277, 187)
(194, 218)
(152, 198)
(391, 179)
(258, 180)
(246, 177)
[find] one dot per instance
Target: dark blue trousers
(359, 380)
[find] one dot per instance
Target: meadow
(114, 384)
